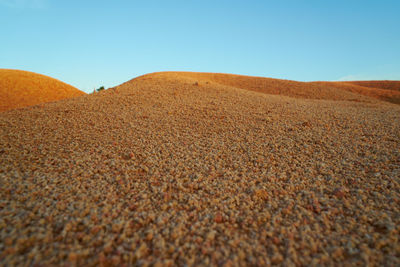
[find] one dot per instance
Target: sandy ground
(390, 85)
(20, 89)
(169, 170)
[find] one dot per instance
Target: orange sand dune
(311, 90)
(23, 88)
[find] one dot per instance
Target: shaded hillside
(22, 88)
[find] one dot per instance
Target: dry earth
(354, 91)
(382, 93)
(390, 85)
(20, 89)
(185, 169)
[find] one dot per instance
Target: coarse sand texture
(200, 169)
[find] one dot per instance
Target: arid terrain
(20, 89)
(201, 169)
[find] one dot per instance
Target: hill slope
(390, 85)
(165, 171)
(390, 95)
(22, 88)
(311, 90)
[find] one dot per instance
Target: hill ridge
(311, 90)
(20, 88)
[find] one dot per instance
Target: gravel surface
(167, 170)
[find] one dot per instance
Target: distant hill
(390, 85)
(23, 88)
(345, 91)
(383, 90)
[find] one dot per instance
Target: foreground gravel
(164, 171)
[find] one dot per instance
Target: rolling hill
(345, 91)
(362, 88)
(194, 169)
(23, 88)
(390, 85)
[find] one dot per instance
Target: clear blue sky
(92, 43)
